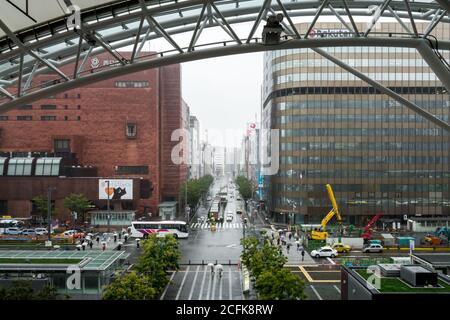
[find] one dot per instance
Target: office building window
(20, 166)
(132, 84)
(26, 107)
(24, 118)
(78, 118)
(131, 130)
(48, 118)
(2, 165)
(62, 145)
(47, 166)
(48, 107)
(3, 118)
(78, 107)
(132, 170)
(66, 118)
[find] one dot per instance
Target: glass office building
(378, 155)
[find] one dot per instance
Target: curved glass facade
(378, 155)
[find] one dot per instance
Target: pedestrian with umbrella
(303, 254)
(211, 265)
(219, 269)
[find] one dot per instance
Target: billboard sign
(119, 189)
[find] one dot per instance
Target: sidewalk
(295, 257)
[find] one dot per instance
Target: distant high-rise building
(195, 148)
(219, 161)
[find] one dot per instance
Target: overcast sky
(224, 93)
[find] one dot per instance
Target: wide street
(194, 280)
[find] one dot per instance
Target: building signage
(95, 62)
(329, 33)
(119, 189)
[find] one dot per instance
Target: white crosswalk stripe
(225, 225)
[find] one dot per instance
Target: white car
(229, 217)
(29, 232)
(13, 231)
(324, 252)
(69, 233)
(373, 248)
(41, 231)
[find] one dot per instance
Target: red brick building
(120, 126)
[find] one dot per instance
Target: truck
(215, 209)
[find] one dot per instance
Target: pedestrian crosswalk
(225, 225)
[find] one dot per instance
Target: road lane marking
(165, 290)
(331, 261)
(306, 274)
(193, 283)
(182, 283)
(220, 288)
(203, 283)
(214, 287)
(230, 292)
(315, 291)
(338, 290)
(209, 286)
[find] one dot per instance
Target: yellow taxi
(341, 248)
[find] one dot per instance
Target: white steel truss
(47, 47)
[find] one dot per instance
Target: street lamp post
(107, 207)
(49, 211)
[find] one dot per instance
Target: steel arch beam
(205, 54)
(248, 10)
(436, 64)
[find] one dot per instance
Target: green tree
(260, 255)
(40, 202)
(131, 286)
(159, 255)
(265, 263)
(48, 292)
(279, 284)
(77, 203)
(196, 190)
(20, 290)
(245, 186)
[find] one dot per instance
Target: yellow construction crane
(322, 234)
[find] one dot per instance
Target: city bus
(141, 229)
(9, 223)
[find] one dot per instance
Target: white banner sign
(119, 189)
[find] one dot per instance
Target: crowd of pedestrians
(284, 240)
